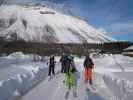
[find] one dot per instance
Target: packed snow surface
(21, 73)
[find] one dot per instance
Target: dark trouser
(62, 68)
(65, 69)
(51, 70)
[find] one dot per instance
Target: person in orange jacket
(88, 66)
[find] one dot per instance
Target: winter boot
(75, 94)
(90, 81)
(67, 94)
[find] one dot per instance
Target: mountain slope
(43, 24)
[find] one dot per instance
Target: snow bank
(19, 56)
(19, 84)
(113, 61)
(121, 88)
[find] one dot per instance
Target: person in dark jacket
(63, 63)
(68, 61)
(88, 66)
(51, 65)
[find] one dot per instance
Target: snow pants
(63, 70)
(51, 70)
(88, 74)
(70, 80)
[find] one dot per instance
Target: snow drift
(18, 84)
(43, 24)
(122, 89)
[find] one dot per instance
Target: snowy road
(108, 80)
(55, 90)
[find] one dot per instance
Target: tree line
(59, 48)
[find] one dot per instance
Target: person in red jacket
(88, 66)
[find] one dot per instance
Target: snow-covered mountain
(44, 24)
